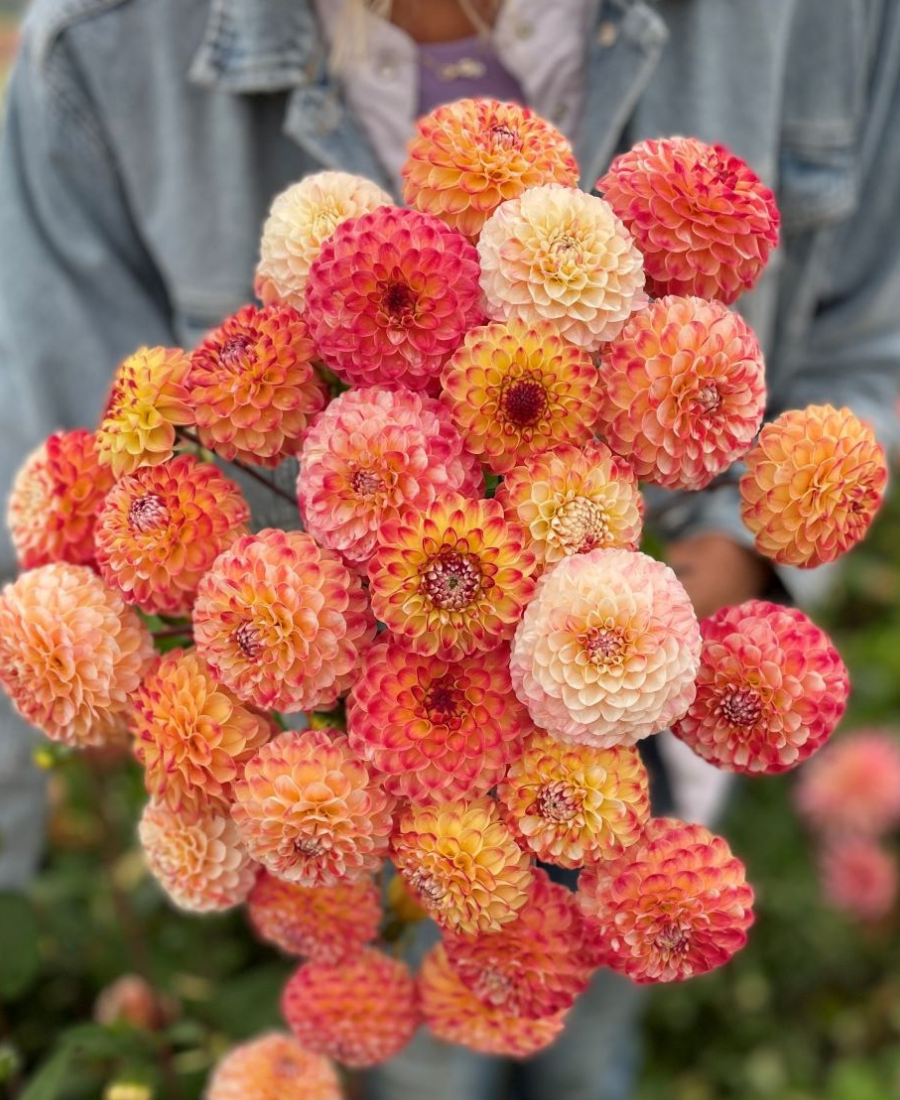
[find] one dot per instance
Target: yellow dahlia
(814, 481)
(273, 1067)
(571, 804)
(468, 157)
(452, 579)
(561, 255)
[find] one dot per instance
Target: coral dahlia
(273, 1067)
(859, 877)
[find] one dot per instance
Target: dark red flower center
(524, 403)
(235, 350)
(556, 802)
(443, 700)
(399, 300)
(147, 512)
(741, 708)
(452, 580)
(366, 483)
(672, 939)
(247, 637)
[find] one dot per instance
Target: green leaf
(20, 959)
(50, 1078)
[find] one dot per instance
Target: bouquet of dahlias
(458, 614)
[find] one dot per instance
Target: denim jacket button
(386, 67)
(524, 30)
(607, 34)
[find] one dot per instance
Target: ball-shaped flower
(683, 391)
(770, 691)
(71, 653)
(859, 877)
(853, 786)
(607, 650)
(282, 622)
(452, 579)
(561, 255)
(198, 859)
(310, 812)
(814, 481)
(273, 1067)
(300, 221)
(361, 1012)
(391, 296)
(162, 527)
(701, 217)
(369, 454)
(572, 500)
(55, 499)
(324, 923)
(571, 804)
(673, 906)
(463, 864)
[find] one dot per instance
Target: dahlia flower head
(671, 907)
(771, 689)
(391, 296)
(161, 528)
(701, 217)
(558, 254)
(310, 812)
(273, 1067)
(815, 479)
(859, 877)
(683, 391)
(252, 385)
(607, 651)
(130, 999)
(300, 221)
(371, 453)
(55, 499)
(71, 654)
(468, 157)
(282, 622)
(360, 1012)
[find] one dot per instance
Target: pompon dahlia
(516, 389)
(683, 391)
(162, 527)
(561, 255)
(859, 877)
(436, 730)
(147, 402)
(55, 499)
(370, 453)
(468, 157)
(282, 622)
(463, 864)
(361, 1012)
(71, 653)
(452, 579)
(572, 500)
(770, 691)
(273, 1067)
(454, 1014)
(814, 481)
(300, 220)
(252, 385)
(703, 220)
(673, 906)
(607, 650)
(571, 804)
(324, 924)
(391, 296)
(198, 859)
(310, 812)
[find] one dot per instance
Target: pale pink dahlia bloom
(860, 877)
(273, 1067)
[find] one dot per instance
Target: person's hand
(717, 571)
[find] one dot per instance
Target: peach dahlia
(273, 1067)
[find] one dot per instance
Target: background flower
(273, 1067)
(859, 877)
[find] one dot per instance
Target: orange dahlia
(607, 650)
(451, 579)
(310, 812)
(282, 622)
(371, 453)
(454, 1014)
(468, 157)
(770, 691)
(437, 730)
(71, 653)
(162, 527)
(300, 220)
(571, 804)
(361, 1012)
(197, 859)
(859, 877)
(683, 391)
(703, 220)
(673, 906)
(561, 255)
(273, 1067)
(55, 499)
(814, 481)
(147, 402)
(463, 864)
(391, 296)
(572, 500)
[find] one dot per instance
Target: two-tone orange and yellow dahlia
(273, 1067)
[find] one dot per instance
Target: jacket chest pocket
(195, 315)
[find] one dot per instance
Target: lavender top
(445, 77)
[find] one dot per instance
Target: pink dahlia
(860, 877)
(273, 1067)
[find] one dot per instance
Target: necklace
(464, 68)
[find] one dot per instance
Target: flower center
(247, 637)
(741, 708)
(524, 403)
(709, 398)
(580, 526)
(147, 512)
(399, 300)
(605, 645)
(556, 801)
(366, 483)
(234, 351)
(310, 846)
(493, 987)
(502, 137)
(452, 580)
(427, 886)
(715, 166)
(672, 939)
(442, 701)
